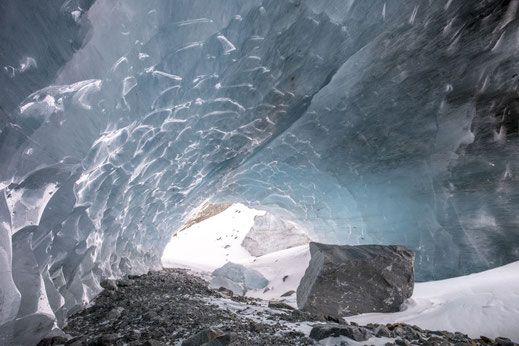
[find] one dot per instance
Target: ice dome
(362, 121)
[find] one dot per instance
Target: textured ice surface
(239, 274)
(271, 233)
(390, 122)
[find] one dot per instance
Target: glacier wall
(389, 122)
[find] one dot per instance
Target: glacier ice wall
(390, 122)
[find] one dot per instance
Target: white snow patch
(227, 45)
(128, 84)
(485, 303)
(27, 63)
(167, 75)
(75, 15)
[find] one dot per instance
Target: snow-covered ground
(211, 243)
(485, 303)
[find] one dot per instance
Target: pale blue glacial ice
(361, 121)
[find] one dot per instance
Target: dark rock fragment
(382, 331)
(109, 284)
(77, 341)
(114, 313)
(335, 319)
(54, 340)
(323, 331)
(152, 342)
(125, 283)
(226, 291)
(202, 337)
(256, 327)
(486, 339)
(222, 340)
(288, 293)
(150, 315)
(108, 339)
(134, 334)
(279, 305)
(402, 342)
(500, 341)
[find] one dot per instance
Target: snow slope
(485, 303)
(213, 242)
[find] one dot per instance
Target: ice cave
(351, 122)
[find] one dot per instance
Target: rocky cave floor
(173, 307)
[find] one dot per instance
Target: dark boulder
(124, 282)
(53, 340)
(349, 280)
(108, 339)
(153, 342)
(222, 340)
(109, 284)
(203, 337)
(279, 305)
(288, 293)
(324, 331)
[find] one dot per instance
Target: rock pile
(172, 307)
(403, 334)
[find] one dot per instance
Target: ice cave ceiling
(364, 121)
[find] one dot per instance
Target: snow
(210, 244)
(485, 303)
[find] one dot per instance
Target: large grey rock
(349, 280)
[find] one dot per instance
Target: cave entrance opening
(248, 251)
(211, 238)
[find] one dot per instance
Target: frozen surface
(363, 121)
(238, 273)
(271, 233)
